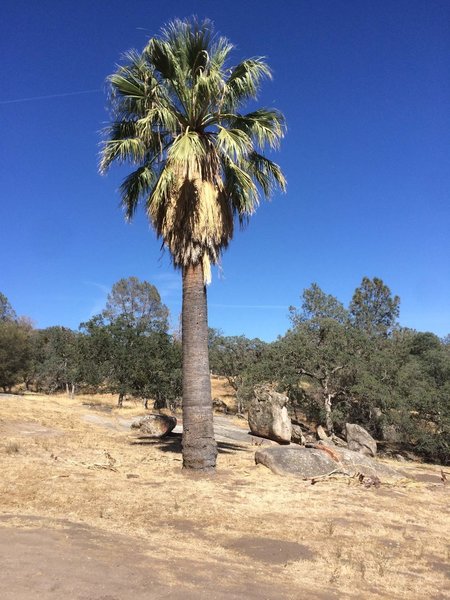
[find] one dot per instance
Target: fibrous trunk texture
(199, 445)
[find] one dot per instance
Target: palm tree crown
(175, 116)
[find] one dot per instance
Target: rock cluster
(311, 454)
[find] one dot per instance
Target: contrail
(16, 100)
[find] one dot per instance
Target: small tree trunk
(120, 400)
(199, 445)
(328, 419)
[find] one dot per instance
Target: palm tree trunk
(199, 445)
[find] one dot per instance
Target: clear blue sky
(365, 89)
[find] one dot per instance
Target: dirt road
(53, 560)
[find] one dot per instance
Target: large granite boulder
(308, 463)
(268, 416)
(155, 425)
(359, 440)
(295, 460)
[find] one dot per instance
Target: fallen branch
(317, 478)
(108, 466)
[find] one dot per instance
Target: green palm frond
(191, 41)
(234, 143)
(220, 51)
(186, 147)
(160, 194)
(128, 86)
(267, 173)
(244, 81)
(160, 55)
(120, 130)
(131, 150)
(162, 118)
(264, 126)
(134, 187)
(240, 189)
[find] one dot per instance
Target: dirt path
(225, 428)
(59, 559)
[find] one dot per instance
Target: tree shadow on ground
(172, 443)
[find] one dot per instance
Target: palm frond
(240, 189)
(191, 40)
(159, 53)
(161, 193)
(234, 143)
(135, 187)
(220, 51)
(264, 126)
(244, 81)
(186, 148)
(267, 173)
(163, 119)
(131, 150)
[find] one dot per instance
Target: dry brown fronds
(196, 220)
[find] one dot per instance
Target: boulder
(297, 436)
(268, 416)
(155, 425)
(220, 406)
(356, 462)
(337, 441)
(359, 440)
(308, 463)
(295, 460)
(321, 433)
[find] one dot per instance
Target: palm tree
(174, 116)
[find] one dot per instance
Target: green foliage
(14, 352)
(7, 312)
(373, 308)
(126, 349)
(138, 303)
(316, 306)
(157, 370)
(55, 359)
(235, 358)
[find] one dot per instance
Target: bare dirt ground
(91, 511)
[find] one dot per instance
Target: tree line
(351, 364)
(336, 363)
(126, 350)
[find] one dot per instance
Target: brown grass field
(117, 518)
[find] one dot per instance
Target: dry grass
(391, 542)
(221, 389)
